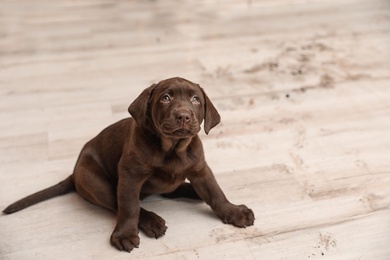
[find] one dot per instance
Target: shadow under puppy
(154, 152)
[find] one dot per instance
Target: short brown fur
(154, 152)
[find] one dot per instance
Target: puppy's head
(176, 107)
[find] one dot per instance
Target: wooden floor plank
(302, 88)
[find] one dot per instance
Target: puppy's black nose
(183, 116)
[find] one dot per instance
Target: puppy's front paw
(239, 216)
(152, 224)
(124, 240)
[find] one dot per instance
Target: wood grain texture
(302, 88)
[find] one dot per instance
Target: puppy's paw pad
(152, 224)
(124, 242)
(239, 216)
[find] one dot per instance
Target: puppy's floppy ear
(211, 115)
(139, 108)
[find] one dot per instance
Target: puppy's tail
(61, 188)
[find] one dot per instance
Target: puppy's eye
(195, 100)
(166, 98)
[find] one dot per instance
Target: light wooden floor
(303, 88)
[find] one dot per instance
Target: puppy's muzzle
(184, 117)
(181, 123)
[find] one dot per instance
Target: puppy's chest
(172, 165)
(164, 180)
(168, 177)
(171, 168)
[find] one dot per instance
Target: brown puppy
(153, 152)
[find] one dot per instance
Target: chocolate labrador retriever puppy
(154, 152)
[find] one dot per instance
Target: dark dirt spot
(326, 81)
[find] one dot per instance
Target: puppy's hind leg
(92, 184)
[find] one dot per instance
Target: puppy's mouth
(181, 133)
